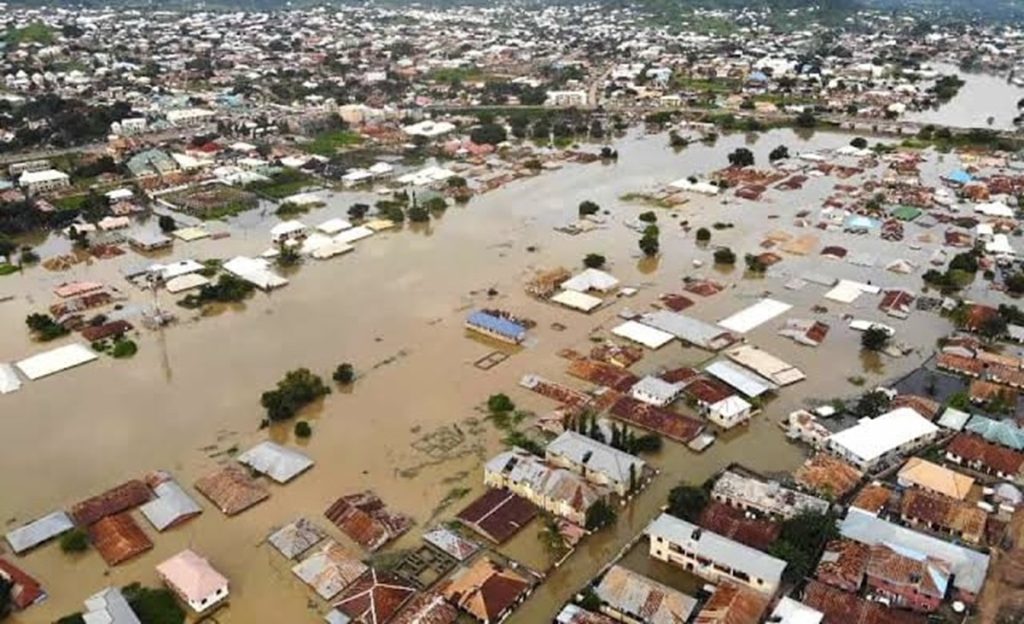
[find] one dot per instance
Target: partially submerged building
(712, 556)
(554, 489)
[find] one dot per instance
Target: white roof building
(280, 463)
(872, 441)
(194, 580)
(643, 334)
(655, 391)
(597, 462)
(591, 279)
(995, 209)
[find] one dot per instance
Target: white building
(730, 412)
(129, 126)
(596, 462)
(566, 98)
(189, 116)
(194, 580)
(46, 181)
(656, 391)
(552, 488)
(874, 441)
(712, 556)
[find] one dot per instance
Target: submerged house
(555, 489)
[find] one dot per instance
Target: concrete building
(763, 497)
(876, 441)
(45, 181)
(194, 580)
(554, 489)
(596, 462)
(712, 556)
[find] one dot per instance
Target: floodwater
(982, 96)
(394, 308)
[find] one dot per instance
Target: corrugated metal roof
(496, 324)
(38, 531)
(280, 463)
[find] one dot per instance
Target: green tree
(303, 430)
(687, 502)
(74, 541)
(154, 606)
(649, 245)
(754, 264)
(741, 157)
(594, 261)
(779, 153)
(6, 606)
(344, 374)
(874, 339)
(298, 389)
(806, 119)
(358, 211)
(167, 223)
(703, 235)
(600, 515)
(419, 214)
(500, 403)
(648, 217)
(859, 143)
(724, 255)
(588, 207)
(871, 404)
(488, 134)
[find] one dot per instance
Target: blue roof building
(496, 327)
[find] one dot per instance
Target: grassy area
(281, 185)
(455, 74)
(703, 85)
(35, 32)
(8, 269)
(327, 143)
(71, 202)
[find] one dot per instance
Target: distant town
(584, 314)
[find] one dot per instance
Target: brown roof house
(375, 598)
(364, 518)
(232, 490)
(498, 514)
(487, 590)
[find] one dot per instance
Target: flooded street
(395, 309)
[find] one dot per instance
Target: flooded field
(411, 428)
(983, 96)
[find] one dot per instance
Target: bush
(703, 235)
(724, 255)
(859, 143)
(687, 502)
(779, 153)
(344, 374)
(741, 157)
(358, 211)
(649, 245)
(154, 606)
(124, 348)
(303, 430)
(648, 217)
(588, 207)
(419, 214)
(874, 339)
(44, 327)
(600, 515)
(74, 541)
(498, 403)
(594, 261)
(166, 223)
(298, 389)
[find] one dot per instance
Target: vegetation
(167, 223)
(552, 538)
(488, 134)
(328, 143)
(600, 515)
(298, 389)
(154, 606)
(755, 264)
(418, 214)
(688, 501)
(648, 217)
(281, 184)
(871, 404)
(724, 255)
(499, 403)
(649, 244)
(594, 261)
(800, 541)
(874, 339)
(358, 211)
(344, 374)
(303, 430)
(523, 441)
(588, 207)
(227, 289)
(44, 328)
(741, 157)
(124, 348)
(74, 541)
(859, 143)
(703, 235)
(779, 153)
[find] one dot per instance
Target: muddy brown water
(395, 308)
